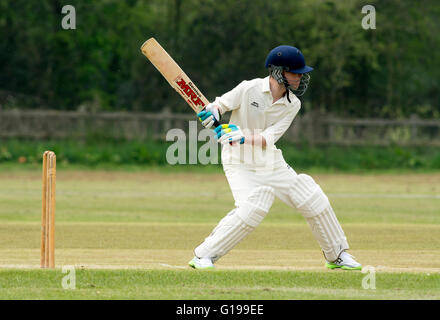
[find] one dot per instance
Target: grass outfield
(130, 236)
(189, 285)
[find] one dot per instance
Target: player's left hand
(229, 133)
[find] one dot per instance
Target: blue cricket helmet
(288, 57)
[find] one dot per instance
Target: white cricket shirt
(253, 111)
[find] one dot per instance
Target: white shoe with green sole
(201, 263)
(345, 261)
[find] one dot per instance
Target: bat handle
(216, 123)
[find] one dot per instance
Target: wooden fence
(314, 128)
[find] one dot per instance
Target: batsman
(261, 112)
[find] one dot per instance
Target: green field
(130, 234)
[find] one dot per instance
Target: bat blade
(175, 76)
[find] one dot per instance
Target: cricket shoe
(345, 261)
(201, 263)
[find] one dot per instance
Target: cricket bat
(175, 76)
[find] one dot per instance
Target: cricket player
(262, 110)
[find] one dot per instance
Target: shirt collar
(266, 89)
(266, 85)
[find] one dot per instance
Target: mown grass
(146, 223)
(190, 284)
(152, 196)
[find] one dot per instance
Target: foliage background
(390, 72)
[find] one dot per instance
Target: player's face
(293, 79)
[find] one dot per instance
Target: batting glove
(229, 133)
(209, 116)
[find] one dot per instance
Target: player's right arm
(256, 140)
(273, 133)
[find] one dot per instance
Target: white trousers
(242, 180)
(284, 181)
